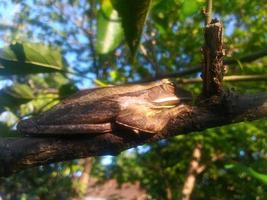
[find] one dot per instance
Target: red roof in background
(110, 190)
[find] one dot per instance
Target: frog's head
(167, 95)
(164, 95)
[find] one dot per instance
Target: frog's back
(105, 92)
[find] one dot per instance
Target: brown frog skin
(139, 107)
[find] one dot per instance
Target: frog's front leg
(144, 119)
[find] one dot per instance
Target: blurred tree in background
(81, 45)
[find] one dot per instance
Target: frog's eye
(170, 87)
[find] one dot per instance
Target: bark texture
(213, 52)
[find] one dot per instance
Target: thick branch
(213, 52)
(19, 154)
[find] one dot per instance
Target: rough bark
(21, 153)
(213, 52)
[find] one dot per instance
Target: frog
(141, 107)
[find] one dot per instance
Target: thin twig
(192, 70)
(227, 78)
(209, 17)
(74, 73)
(91, 41)
(151, 60)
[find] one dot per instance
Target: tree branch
(194, 169)
(213, 52)
(247, 58)
(228, 79)
(22, 153)
(208, 12)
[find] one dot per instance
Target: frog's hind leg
(29, 127)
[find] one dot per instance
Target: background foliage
(50, 49)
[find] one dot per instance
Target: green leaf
(100, 83)
(249, 171)
(190, 7)
(133, 14)
(26, 58)
(15, 95)
(41, 103)
(260, 176)
(114, 74)
(20, 91)
(109, 29)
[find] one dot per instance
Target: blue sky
(7, 12)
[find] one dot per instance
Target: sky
(7, 12)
